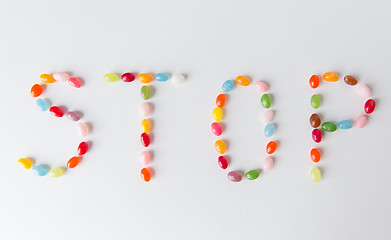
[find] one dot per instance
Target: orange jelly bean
(314, 81)
(47, 78)
(145, 78)
(330, 77)
(243, 80)
(73, 162)
(271, 147)
(220, 100)
(220, 146)
(146, 174)
(36, 90)
(315, 155)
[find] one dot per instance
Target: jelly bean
(364, 91)
(361, 121)
(56, 111)
(234, 176)
(146, 92)
(61, 76)
(268, 164)
(83, 148)
(177, 78)
(220, 146)
(75, 82)
(315, 155)
(145, 109)
(317, 135)
(36, 90)
(315, 120)
(56, 172)
(47, 78)
(145, 126)
(330, 77)
(73, 116)
(146, 174)
(228, 85)
(315, 101)
(369, 106)
(128, 77)
(220, 100)
(329, 126)
(267, 116)
(345, 124)
(266, 101)
(162, 77)
(269, 130)
(40, 170)
(316, 176)
(84, 129)
(145, 77)
(43, 104)
(110, 77)
(314, 81)
(260, 86)
(252, 175)
(223, 163)
(26, 163)
(350, 80)
(73, 162)
(271, 147)
(216, 129)
(242, 80)
(217, 114)
(145, 158)
(145, 139)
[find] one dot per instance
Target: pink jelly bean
(267, 116)
(216, 129)
(145, 158)
(361, 121)
(234, 176)
(145, 109)
(60, 76)
(268, 164)
(364, 91)
(73, 116)
(75, 82)
(84, 129)
(260, 86)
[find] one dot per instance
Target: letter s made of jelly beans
(322, 127)
(37, 91)
(146, 80)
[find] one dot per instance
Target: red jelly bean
(83, 148)
(36, 90)
(128, 77)
(75, 82)
(369, 106)
(146, 174)
(145, 140)
(56, 111)
(223, 163)
(314, 81)
(317, 135)
(73, 162)
(315, 155)
(220, 100)
(271, 147)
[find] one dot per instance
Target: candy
(330, 77)
(145, 109)
(61, 76)
(73, 116)
(161, 77)
(56, 111)
(36, 90)
(110, 77)
(369, 106)
(75, 82)
(145, 78)
(228, 85)
(252, 175)
(145, 126)
(128, 77)
(315, 155)
(315, 101)
(217, 114)
(145, 139)
(43, 104)
(234, 176)
(269, 130)
(268, 164)
(56, 172)
(146, 174)
(84, 129)
(266, 101)
(317, 135)
(177, 78)
(315, 120)
(361, 121)
(260, 86)
(243, 80)
(40, 170)
(220, 146)
(220, 100)
(83, 148)
(345, 124)
(329, 127)
(363, 91)
(350, 80)
(146, 92)
(223, 163)
(216, 129)
(26, 163)
(267, 116)
(145, 158)
(314, 81)
(73, 162)
(271, 147)
(316, 176)
(47, 78)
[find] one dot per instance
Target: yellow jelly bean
(25, 162)
(56, 172)
(145, 78)
(316, 175)
(47, 78)
(145, 126)
(243, 80)
(217, 114)
(220, 146)
(330, 77)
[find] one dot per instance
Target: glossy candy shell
(162, 77)
(56, 111)
(47, 78)
(26, 163)
(56, 172)
(110, 77)
(36, 90)
(83, 148)
(73, 162)
(146, 92)
(234, 176)
(222, 161)
(330, 77)
(220, 146)
(145, 139)
(315, 101)
(345, 124)
(266, 101)
(271, 147)
(220, 100)
(329, 127)
(315, 155)
(145, 78)
(75, 82)
(317, 135)
(216, 129)
(369, 106)
(43, 104)
(252, 175)
(314, 81)
(146, 174)
(128, 77)
(228, 85)
(316, 175)
(269, 130)
(242, 80)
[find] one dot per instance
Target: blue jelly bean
(269, 130)
(40, 170)
(161, 77)
(228, 85)
(345, 124)
(43, 104)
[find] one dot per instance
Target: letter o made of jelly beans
(267, 117)
(321, 127)
(36, 91)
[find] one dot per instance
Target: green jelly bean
(266, 101)
(315, 101)
(146, 92)
(253, 174)
(329, 126)
(110, 77)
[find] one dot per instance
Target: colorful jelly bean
(369, 106)
(83, 148)
(315, 101)
(145, 126)
(271, 147)
(146, 174)
(269, 130)
(75, 82)
(345, 124)
(145, 139)
(145, 77)
(228, 85)
(350, 80)
(315, 120)
(242, 80)
(40, 170)
(220, 146)
(26, 163)
(145, 158)
(364, 91)
(234, 176)
(73, 116)
(315, 155)
(56, 172)
(162, 77)
(145, 109)
(36, 90)
(361, 121)
(128, 77)
(252, 175)
(47, 78)
(216, 129)
(316, 175)
(314, 81)
(267, 116)
(56, 111)
(268, 164)
(220, 100)
(146, 92)
(43, 104)
(266, 101)
(260, 86)
(222, 161)
(329, 127)
(217, 114)
(84, 129)
(317, 135)
(73, 162)
(110, 77)
(330, 77)
(177, 78)
(61, 76)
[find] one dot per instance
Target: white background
(280, 42)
